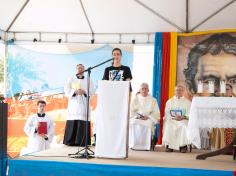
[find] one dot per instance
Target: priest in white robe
(144, 116)
(76, 91)
(39, 137)
(176, 122)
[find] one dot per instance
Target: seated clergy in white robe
(176, 122)
(40, 129)
(144, 115)
(76, 91)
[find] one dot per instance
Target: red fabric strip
(164, 78)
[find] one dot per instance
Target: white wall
(143, 66)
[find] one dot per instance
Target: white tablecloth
(210, 112)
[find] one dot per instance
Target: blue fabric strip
(53, 168)
(3, 166)
(156, 90)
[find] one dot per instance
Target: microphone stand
(88, 153)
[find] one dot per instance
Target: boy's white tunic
(140, 131)
(77, 104)
(174, 132)
(35, 142)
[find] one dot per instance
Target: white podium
(112, 119)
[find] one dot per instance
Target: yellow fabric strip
(173, 62)
(206, 32)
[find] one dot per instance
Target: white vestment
(140, 131)
(35, 142)
(77, 104)
(174, 132)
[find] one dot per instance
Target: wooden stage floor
(142, 158)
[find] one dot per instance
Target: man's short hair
(41, 102)
(79, 65)
(213, 45)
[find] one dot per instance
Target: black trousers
(75, 133)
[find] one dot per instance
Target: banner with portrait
(206, 57)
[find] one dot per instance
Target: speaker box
(3, 130)
(3, 138)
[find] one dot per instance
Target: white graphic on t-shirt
(118, 77)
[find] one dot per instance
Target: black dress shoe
(169, 149)
(183, 149)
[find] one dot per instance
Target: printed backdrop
(35, 72)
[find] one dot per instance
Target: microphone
(112, 59)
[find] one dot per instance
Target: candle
(211, 86)
(222, 86)
(200, 87)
